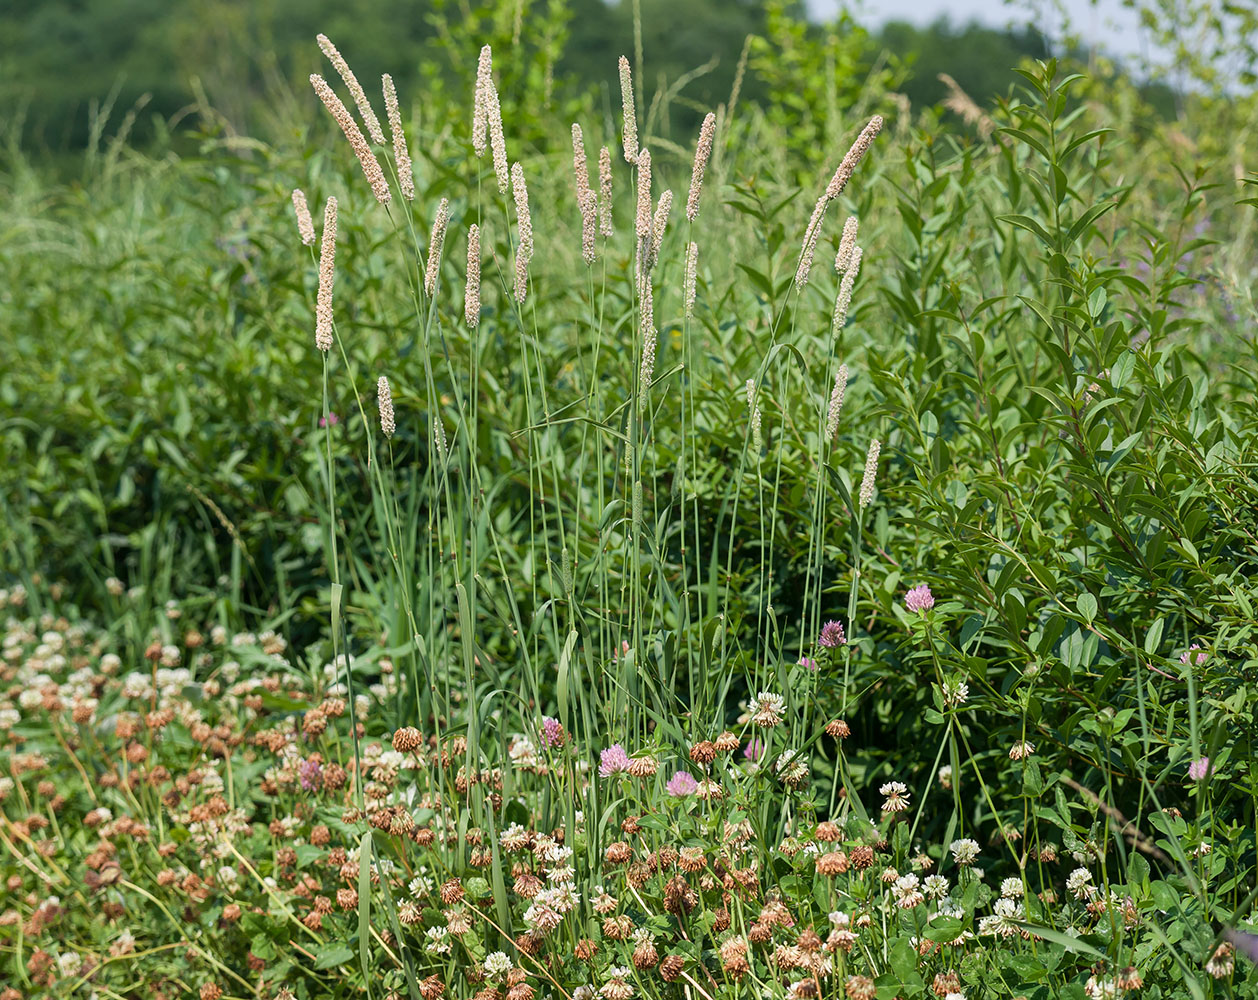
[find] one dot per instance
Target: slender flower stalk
(643, 216)
(702, 152)
(646, 327)
(471, 294)
(305, 224)
(327, 272)
(848, 166)
(871, 473)
(589, 227)
(384, 397)
(659, 222)
(357, 142)
(605, 193)
(355, 89)
(844, 299)
(524, 223)
(757, 436)
(480, 102)
(435, 244)
(630, 114)
(580, 169)
(401, 154)
(691, 278)
(809, 248)
(497, 142)
(847, 244)
(836, 402)
(837, 183)
(642, 221)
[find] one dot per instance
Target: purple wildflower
(808, 662)
(613, 759)
(310, 773)
(1199, 660)
(919, 599)
(331, 420)
(552, 731)
(682, 783)
(831, 635)
(1199, 769)
(754, 749)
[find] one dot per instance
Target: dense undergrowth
(667, 611)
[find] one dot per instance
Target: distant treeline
(63, 60)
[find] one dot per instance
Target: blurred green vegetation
(168, 62)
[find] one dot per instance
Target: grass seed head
(355, 89)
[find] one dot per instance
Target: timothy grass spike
(305, 224)
(605, 193)
(630, 114)
(435, 244)
(401, 154)
(327, 273)
(471, 293)
(858, 149)
(836, 402)
(480, 102)
(702, 151)
(357, 142)
(524, 223)
(355, 89)
(384, 397)
(871, 473)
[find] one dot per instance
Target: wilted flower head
(919, 599)
(769, 709)
(1021, 750)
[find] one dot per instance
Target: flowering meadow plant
(672, 631)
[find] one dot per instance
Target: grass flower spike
(871, 473)
(702, 151)
(480, 102)
(630, 135)
(370, 165)
(435, 244)
(471, 293)
(327, 274)
(384, 397)
(401, 154)
(355, 89)
(305, 224)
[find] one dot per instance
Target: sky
(1104, 22)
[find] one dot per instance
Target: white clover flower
(1012, 888)
(896, 795)
(935, 886)
(1078, 883)
(438, 940)
(955, 693)
(964, 851)
(497, 964)
(70, 963)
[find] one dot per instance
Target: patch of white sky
(1104, 24)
